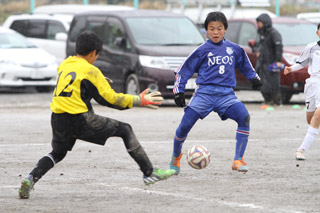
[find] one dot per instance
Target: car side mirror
(252, 44)
(120, 42)
(61, 36)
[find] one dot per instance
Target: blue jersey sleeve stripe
(176, 84)
(249, 62)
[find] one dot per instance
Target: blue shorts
(210, 98)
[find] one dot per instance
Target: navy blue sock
(242, 136)
(189, 118)
(239, 113)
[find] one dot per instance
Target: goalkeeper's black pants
(67, 128)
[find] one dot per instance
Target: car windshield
(14, 40)
(297, 34)
(164, 31)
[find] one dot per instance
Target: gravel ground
(105, 179)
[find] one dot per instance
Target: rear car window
(78, 25)
(304, 33)
(233, 31)
(36, 29)
(164, 31)
(116, 31)
(54, 27)
(98, 27)
(20, 26)
(248, 31)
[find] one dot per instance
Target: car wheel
(132, 85)
(286, 96)
(43, 89)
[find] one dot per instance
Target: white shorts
(312, 93)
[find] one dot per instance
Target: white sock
(309, 138)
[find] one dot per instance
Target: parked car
(24, 65)
(49, 25)
(141, 48)
(296, 34)
(48, 32)
(198, 14)
(72, 9)
(313, 17)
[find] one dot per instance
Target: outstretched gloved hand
(148, 99)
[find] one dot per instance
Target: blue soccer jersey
(215, 64)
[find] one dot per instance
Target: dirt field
(105, 179)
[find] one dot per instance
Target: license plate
(191, 84)
(36, 74)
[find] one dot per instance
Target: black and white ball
(198, 157)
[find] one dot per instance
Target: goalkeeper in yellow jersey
(78, 81)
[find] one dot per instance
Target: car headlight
(54, 63)
(154, 62)
(290, 58)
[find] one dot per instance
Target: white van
(48, 32)
(48, 27)
(72, 9)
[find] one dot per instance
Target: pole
(184, 3)
(32, 5)
(277, 8)
(183, 6)
(136, 4)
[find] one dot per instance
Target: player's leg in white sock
(313, 130)
(309, 138)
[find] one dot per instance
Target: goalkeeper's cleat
(157, 175)
(26, 186)
(300, 154)
(239, 165)
(175, 164)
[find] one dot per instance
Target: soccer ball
(198, 157)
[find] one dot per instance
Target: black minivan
(141, 48)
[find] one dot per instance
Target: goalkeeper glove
(256, 84)
(148, 99)
(180, 100)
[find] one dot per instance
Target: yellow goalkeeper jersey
(78, 82)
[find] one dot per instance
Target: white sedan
(22, 64)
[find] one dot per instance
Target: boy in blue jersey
(215, 62)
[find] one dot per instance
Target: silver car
(22, 64)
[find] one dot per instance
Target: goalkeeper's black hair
(318, 26)
(88, 42)
(216, 16)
